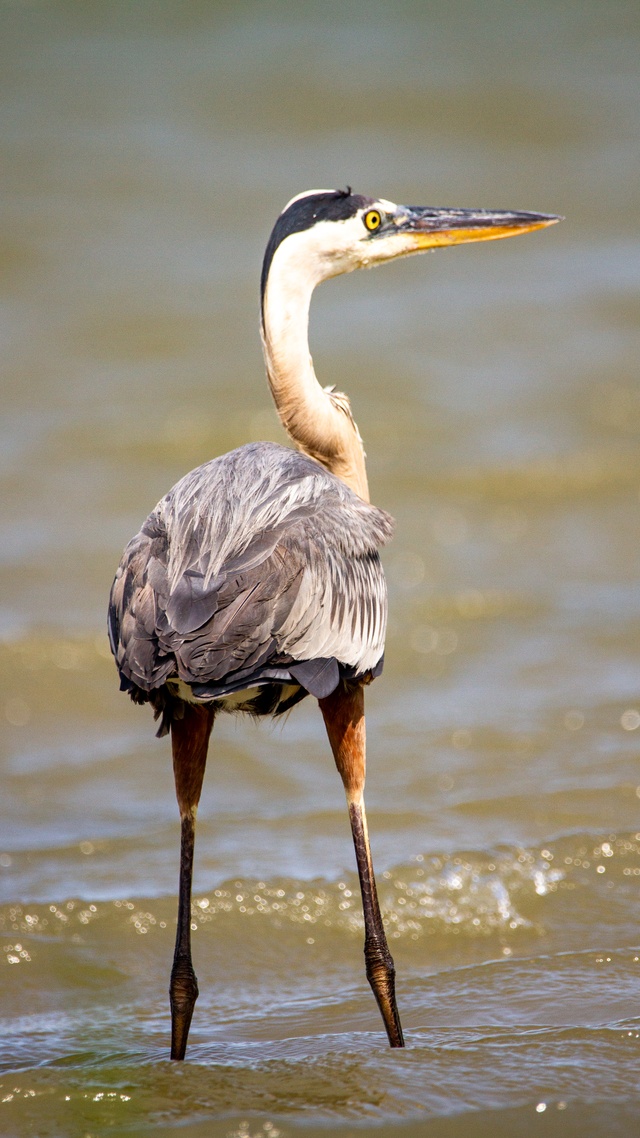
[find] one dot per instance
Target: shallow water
(145, 153)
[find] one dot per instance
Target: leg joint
(184, 985)
(378, 959)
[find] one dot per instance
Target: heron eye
(372, 220)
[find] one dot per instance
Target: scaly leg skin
(343, 713)
(189, 740)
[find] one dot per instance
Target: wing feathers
(256, 558)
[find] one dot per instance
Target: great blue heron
(257, 581)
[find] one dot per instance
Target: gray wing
(256, 561)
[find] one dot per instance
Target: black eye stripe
(337, 205)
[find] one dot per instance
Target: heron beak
(429, 228)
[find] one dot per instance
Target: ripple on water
(476, 893)
(497, 971)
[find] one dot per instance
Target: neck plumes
(318, 420)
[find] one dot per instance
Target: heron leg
(343, 713)
(189, 742)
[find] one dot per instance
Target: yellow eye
(372, 220)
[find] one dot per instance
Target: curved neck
(318, 420)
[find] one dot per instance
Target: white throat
(319, 421)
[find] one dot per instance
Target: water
(146, 150)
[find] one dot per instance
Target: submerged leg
(189, 742)
(343, 713)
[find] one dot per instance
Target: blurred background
(145, 151)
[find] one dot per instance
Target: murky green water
(145, 151)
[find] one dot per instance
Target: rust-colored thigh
(343, 713)
(189, 742)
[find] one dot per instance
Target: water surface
(146, 150)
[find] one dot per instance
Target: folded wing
(259, 565)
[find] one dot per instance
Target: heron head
(324, 233)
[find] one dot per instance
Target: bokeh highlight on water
(146, 150)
